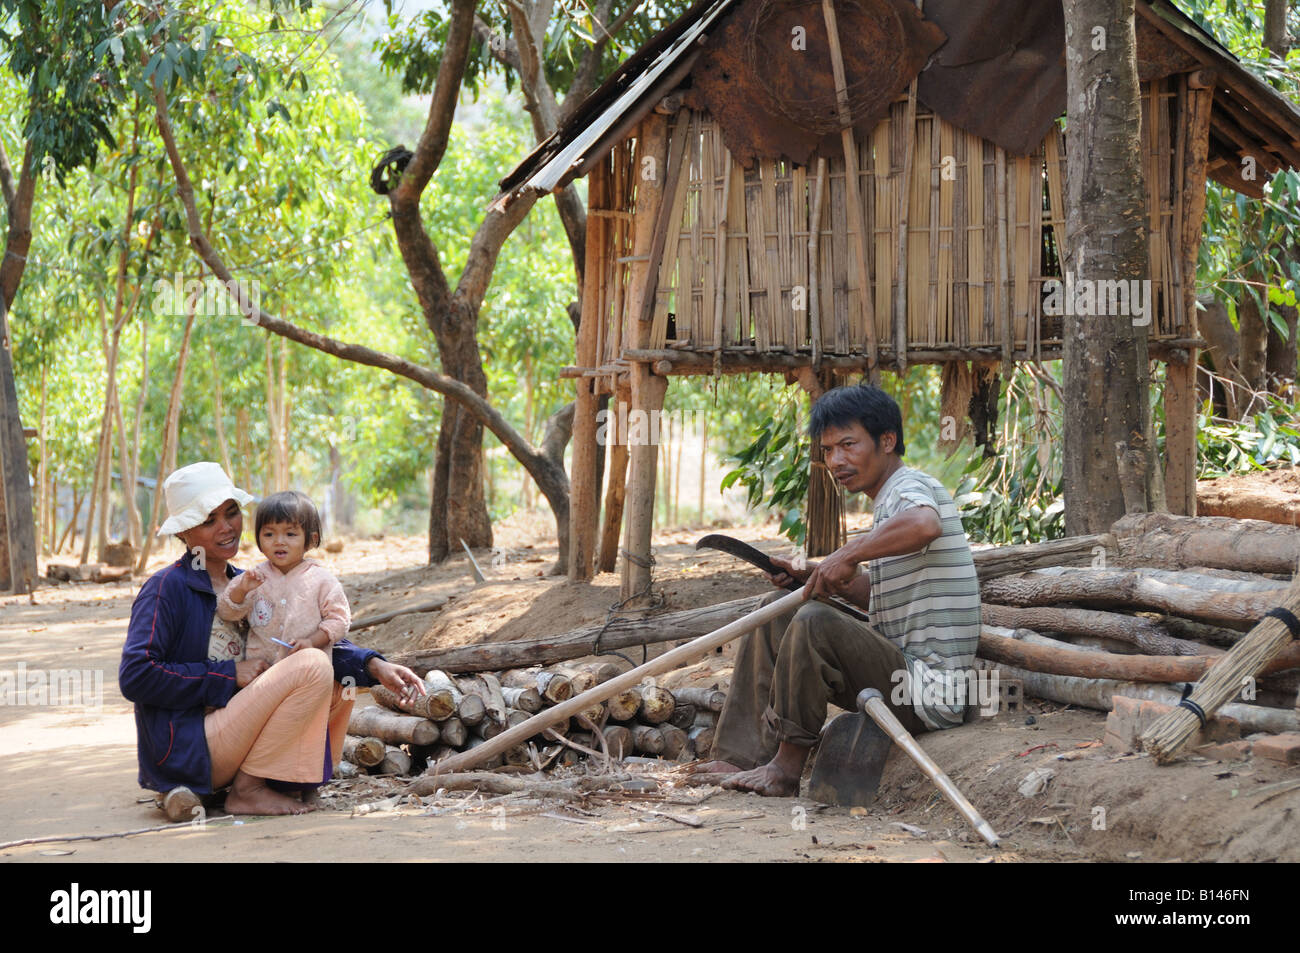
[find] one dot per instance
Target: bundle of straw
(1224, 680)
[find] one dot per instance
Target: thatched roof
(995, 68)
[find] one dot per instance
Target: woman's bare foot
(713, 767)
(250, 795)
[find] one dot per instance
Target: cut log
(365, 752)
(1202, 597)
(487, 687)
(647, 739)
(595, 714)
(516, 717)
(1149, 636)
(519, 754)
(656, 705)
(432, 705)
(602, 671)
(705, 719)
(1065, 660)
(1096, 693)
(674, 740)
(701, 737)
(523, 699)
(579, 679)
(453, 732)
(396, 761)
(487, 729)
(683, 714)
(618, 739)
(621, 633)
(623, 706)
(483, 761)
(1098, 550)
(704, 699)
(1159, 539)
(392, 728)
(439, 683)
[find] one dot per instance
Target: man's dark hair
(291, 506)
(870, 406)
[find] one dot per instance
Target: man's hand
(790, 574)
(833, 576)
(399, 679)
(248, 670)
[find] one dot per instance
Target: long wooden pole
(678, 657)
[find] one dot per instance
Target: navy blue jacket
(166, 672)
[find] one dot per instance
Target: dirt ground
(1272, 495)
(72, 770)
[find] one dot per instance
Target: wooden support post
(1180, 379)
(648, 389)
(17, 527)
(616, 483)
(584, 508)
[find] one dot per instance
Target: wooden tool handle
(872, 704)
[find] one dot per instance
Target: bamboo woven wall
(736, 261)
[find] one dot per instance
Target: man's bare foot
(713, 767)
(768, 780)
(250, 795)
(778, 778)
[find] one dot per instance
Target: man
(920, 588)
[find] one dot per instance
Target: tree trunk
(167, 452)
(1105, 356)
(219, 420)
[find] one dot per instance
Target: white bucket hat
(195, 491)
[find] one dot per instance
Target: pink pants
(275, 726)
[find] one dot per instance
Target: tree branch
(442, 106)
(18, 241)
(550, 478)
(7, 178)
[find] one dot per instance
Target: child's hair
(291, 506)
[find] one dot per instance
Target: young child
(287, 597)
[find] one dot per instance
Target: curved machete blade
(756, 557)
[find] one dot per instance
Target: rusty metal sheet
(1001, 75)
(766, 75)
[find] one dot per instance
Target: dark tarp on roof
(766, 79)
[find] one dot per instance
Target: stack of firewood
(460, 712)
(1159, 603)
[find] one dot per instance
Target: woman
(204, 717)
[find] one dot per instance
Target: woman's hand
(399, 679)
(248, 670)
(790, 573)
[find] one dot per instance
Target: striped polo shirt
(928, 602)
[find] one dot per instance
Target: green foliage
(1015, 495)
(773, 469)
(413, 49)
(1271, 437)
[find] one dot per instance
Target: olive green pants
(789, 669)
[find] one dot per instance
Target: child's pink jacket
(289, 606)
